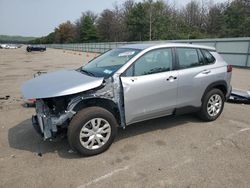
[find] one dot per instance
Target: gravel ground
(167, 152)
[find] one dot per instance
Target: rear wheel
(212, 105)
(92, 131)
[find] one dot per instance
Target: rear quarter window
(209, 58)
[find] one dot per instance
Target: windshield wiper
(87, 72)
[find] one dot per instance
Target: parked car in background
(9, 46)
(4, 46)
(13, 46)
(40, 48)
(126, 85)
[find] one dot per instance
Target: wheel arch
(107, 104)
(221, 85)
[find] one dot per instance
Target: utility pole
(150, 19)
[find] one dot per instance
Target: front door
(150, 86)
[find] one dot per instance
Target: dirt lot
(166, 152)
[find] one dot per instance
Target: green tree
(157, 20)
(161, 23)
(49, 39)
(236, 19)
(105, 24)
(88, 31)
(110, 25)
(138, 23)
(79, 23)
(214, 22)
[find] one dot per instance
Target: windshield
(108, 63)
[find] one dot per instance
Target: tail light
(229, 68)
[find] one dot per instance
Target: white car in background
(12, 46)
(9, 46)
(5, 46)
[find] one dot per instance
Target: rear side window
(188, 57)
(202, 60)
(209, 58)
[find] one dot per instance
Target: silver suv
(127, 85)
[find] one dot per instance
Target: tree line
(156, 20)
(15, 39)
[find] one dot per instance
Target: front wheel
(92, 131)
(212, 105)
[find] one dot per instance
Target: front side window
(155, 61)
(188, 57)
(108, 63)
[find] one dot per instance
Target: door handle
(206, 71)
(171, 78)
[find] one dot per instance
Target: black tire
(204, 114)
(83, 117)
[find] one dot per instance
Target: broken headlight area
(51, 116)
(29, 103)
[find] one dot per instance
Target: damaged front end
(56, 102)
(47, 123)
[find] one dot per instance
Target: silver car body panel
(59, 83)
(149, 96)
(192, 83)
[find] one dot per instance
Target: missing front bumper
(36, 126)
(46, 123)
(43, 126)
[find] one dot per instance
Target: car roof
(144, 46)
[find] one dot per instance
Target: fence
(236, 51)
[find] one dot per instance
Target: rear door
(196, 72)
(150, 86)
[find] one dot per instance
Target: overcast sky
(40, 17)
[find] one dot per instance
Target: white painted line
(103, 177)
(189, 160)
(245, 129)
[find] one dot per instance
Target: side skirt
(186, 110)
